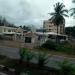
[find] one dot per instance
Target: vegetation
(73, 10)
(70, 31)
(42, 59)
(26, 28)
(30, 70)
(65, 47)
(49, 45)
(58, 15)
(66, 68)
(4, 22)
(22, 53)
(28, 57)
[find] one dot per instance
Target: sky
(31, 12)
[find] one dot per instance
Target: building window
(9, 30)
(13, 30)
(50, 26)
(49, 30)
(39, 37)
(4, 30)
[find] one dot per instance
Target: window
(39, 38)
(50, 26)
(13, 30)
(19, 32)
(9, 30)
(49, 29)
(4, 30)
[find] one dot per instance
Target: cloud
(22, 12)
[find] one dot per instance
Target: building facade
(48, 26)
(11, 33)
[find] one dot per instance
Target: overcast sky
(31, 12)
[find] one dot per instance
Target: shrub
(66, 68)
(49, 45)
(22, 53)
(28, 57)
(65, 47)
(42, 59)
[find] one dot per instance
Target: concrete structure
(11, 33)
(50, 36)
(38, 38)
(33, 39)
(48, 26)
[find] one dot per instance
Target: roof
(29, 34)
(49, 33)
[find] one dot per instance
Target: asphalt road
(14, 54)
(10, 52)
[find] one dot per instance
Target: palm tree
(73, 1)
(73, 10)
(58, 15)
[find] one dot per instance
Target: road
(10, 52)
(14, 54)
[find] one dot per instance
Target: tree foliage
(73, 10)
(70, 31)
(59, 14)
(4, 22)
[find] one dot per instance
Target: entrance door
(27, 39)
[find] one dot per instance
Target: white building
(38, 38)
(49, 26)
(11, 33)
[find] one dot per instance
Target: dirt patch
(14, 44)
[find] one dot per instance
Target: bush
(42, 59)
(28, 57)
(22, 53)
(49, 45)
(66, 68)
(65, 47)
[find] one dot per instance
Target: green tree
(70, 31)
(58, 15)
(73, 9)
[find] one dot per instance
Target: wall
(50, 27)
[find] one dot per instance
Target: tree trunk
(60, 29)
(57, 35)
(63, 29)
